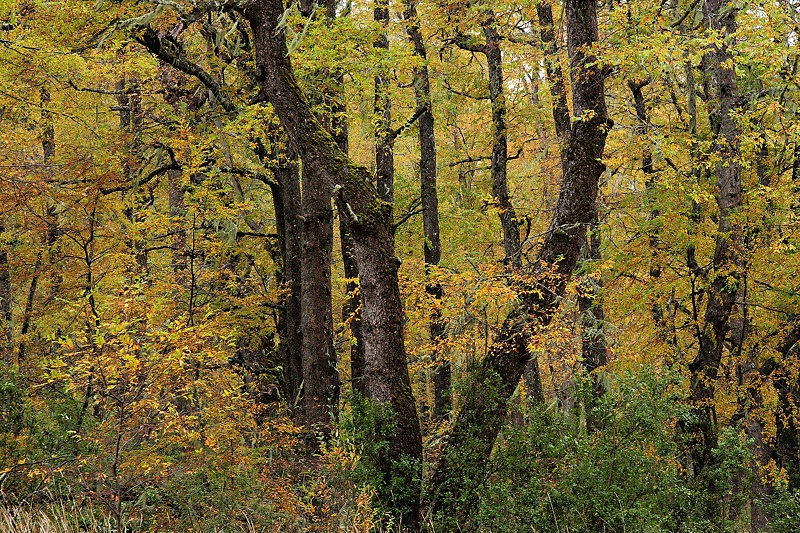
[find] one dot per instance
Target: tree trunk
(351, 308)
(286, 200)
(432, 247)
(370, 222)
(699, 429)
(7, 340)
(555, 75)
(320, 376)
(177, 210)
(462, 467)
(52, 232)
(787, 434)
(508, 217)
(592, 316)
(384, 151)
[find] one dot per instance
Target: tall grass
(56, 519)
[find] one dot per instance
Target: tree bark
(286, 200)
(462, 467)
(508, 216)
(320, 375)
(555, 75)
(369, 218)
(51, 234)
(592, 315)
(351, 308)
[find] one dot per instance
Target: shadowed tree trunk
(51, 234)
(499, 168)
(661, 314)
(462, 468)
(351, 308)
(286, 201)
(369, 219)
(555, 75)
(787, 434)
(5, 303)
(7, 333)
(592, 316)
(508, 217)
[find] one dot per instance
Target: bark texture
(7, 340)
(508, 216)
(384, 151)
(593, 339)
(320, 376)
(286, 200)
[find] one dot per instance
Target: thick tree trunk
(462, 467)
(592, 316)
(699, 429)
(320, 376)
(370, 222)
(320, 373)
(432, 248)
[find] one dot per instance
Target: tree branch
(408, 123)
(170, 51)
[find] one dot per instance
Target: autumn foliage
(502, 332)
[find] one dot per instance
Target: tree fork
(386, 379)
(461, 469)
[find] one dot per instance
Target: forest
(399, 266)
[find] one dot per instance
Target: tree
(386, 379)
(461, 469)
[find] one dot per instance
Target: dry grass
(52, 520)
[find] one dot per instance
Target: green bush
(783, 510)
(553, 474)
